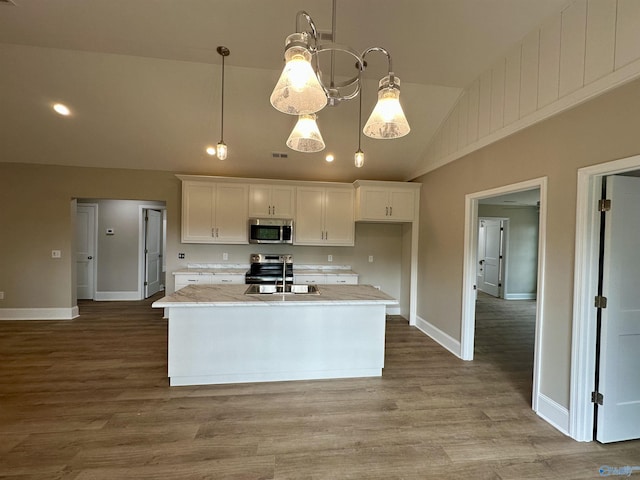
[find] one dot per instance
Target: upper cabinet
(214, 212)
(324, 216)
(386, 201)
(271, 201)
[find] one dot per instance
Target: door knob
(90, 258)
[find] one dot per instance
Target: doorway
(128, 260)
(590, 267)
(472, 205)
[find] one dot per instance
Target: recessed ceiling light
(62, 109)
(211, 151)
(329, 158)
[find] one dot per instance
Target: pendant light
(306, 136)
(221, 147)
(387, 119)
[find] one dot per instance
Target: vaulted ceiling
(142, 78)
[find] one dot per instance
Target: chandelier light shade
(298, 90)
(221, 147)
(387, 119)
(305, 136)
(303, 90)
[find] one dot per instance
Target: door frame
(469, 271)
(141, 239)
(587, 245)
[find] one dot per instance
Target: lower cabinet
(184, 279)
(326, 279)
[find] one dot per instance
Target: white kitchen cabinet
(326, 279)
(271, 201)
(214, 212)
(386, 201)
(336, 279)
(324, 216)
(184, 279)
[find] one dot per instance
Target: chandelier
(302, 90)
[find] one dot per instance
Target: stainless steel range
(268, 268)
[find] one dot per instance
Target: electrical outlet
(56, 254)
(370, 258)
(329, 258)
(1, 295)
(225, 256)
(180, 256)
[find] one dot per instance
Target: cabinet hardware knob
(89, 257)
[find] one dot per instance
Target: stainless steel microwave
(270, 230)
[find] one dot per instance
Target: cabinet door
(335, 279)
(231, 213)
(309, 221)
(198, 212)
(309, 279)
(339, 225)
(282, 201)
(402, 205)
(374, 203)
(259, 201)
(220, 279)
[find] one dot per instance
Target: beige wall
(37, 217)
(602, 130)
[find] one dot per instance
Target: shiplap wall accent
(592, 46)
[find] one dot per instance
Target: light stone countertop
(237, 269)
(234, 296)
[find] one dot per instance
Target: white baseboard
(393, 311)
(520, 296)
(116, 296)
(39, 313)
(439, 336)
(554, 413)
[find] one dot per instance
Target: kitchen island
(218, 334)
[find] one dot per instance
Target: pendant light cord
(222, 103)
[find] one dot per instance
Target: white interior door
(619, 380)
(153, 252)
(85, 251)
(489, 256)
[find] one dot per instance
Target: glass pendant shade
(359, 158)
(306, 136)
(298, 90)
(387, 119)
(221, 150)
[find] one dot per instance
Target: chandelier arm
(312, 25)
(389, 61)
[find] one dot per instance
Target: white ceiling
(142, 78)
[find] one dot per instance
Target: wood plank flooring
(89, 399)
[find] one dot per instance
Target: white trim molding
(520, 296)
(117, 296)
(437, 335)
(554, 413)
(39, 313)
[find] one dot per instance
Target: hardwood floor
(89, 399)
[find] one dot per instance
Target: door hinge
(600, 301)
(597, 397)
(604, 205)
(146, 283)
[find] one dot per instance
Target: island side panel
(215, 345)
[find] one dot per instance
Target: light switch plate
(56, 254)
